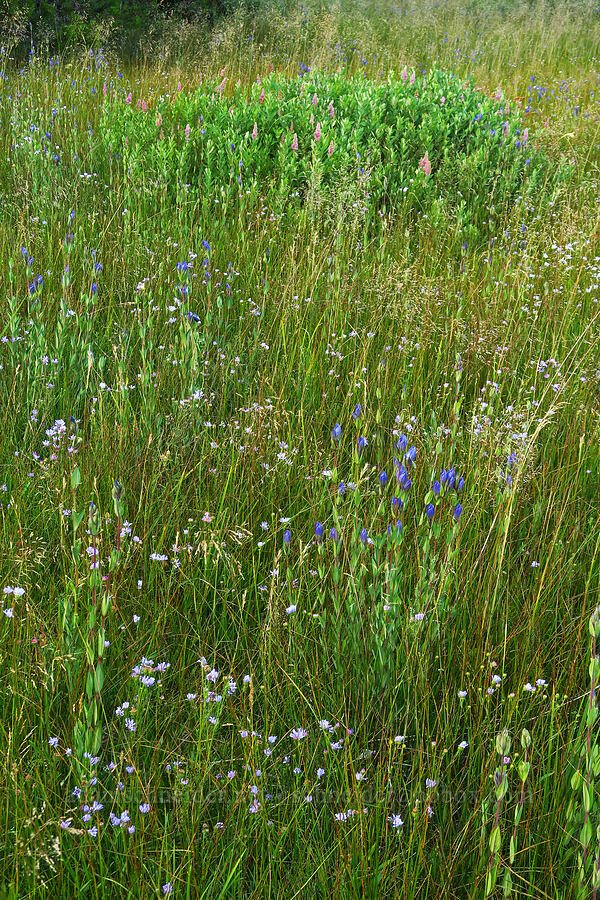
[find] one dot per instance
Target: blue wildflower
(319, 532)
(411, 455)
(357, 411)
(430, 510)
(336, 433)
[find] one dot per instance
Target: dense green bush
(426, 141)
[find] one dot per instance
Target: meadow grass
(299, 491)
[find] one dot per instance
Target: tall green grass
(444, 672)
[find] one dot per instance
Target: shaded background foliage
(57, 24)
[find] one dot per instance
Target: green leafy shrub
(426, 142)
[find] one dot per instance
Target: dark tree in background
(61, 23)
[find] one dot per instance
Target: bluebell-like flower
(287, 535)
(451, 478)
(336, 433)
(401, 475)
(430, 510)
(319, 532)
(443, 476)
(342, 488)
(357, 411)
(460, 484)
(457, 512)
(407, 484)
(362, 443)
(333, 534)
(436, 488)
(402, 443)
(383, 478)
(411, 455)
(193, 317)
(398, 528)
(363, 535)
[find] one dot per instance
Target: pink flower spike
(404, 75)
(295, 142)
(525, 136)
(425, 164)
(318, 132)
(159, 120)
(255, 132)
(412, 78)
(104, 89)
(261, 99)
(187, 132)
(144, 107)
(128, 98)
(314, 100)
(331, 112)
(330, 150)
(442, 101)
(178, 85)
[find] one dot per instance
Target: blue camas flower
(398, 529)
(411, 455)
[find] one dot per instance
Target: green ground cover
(299, 458)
